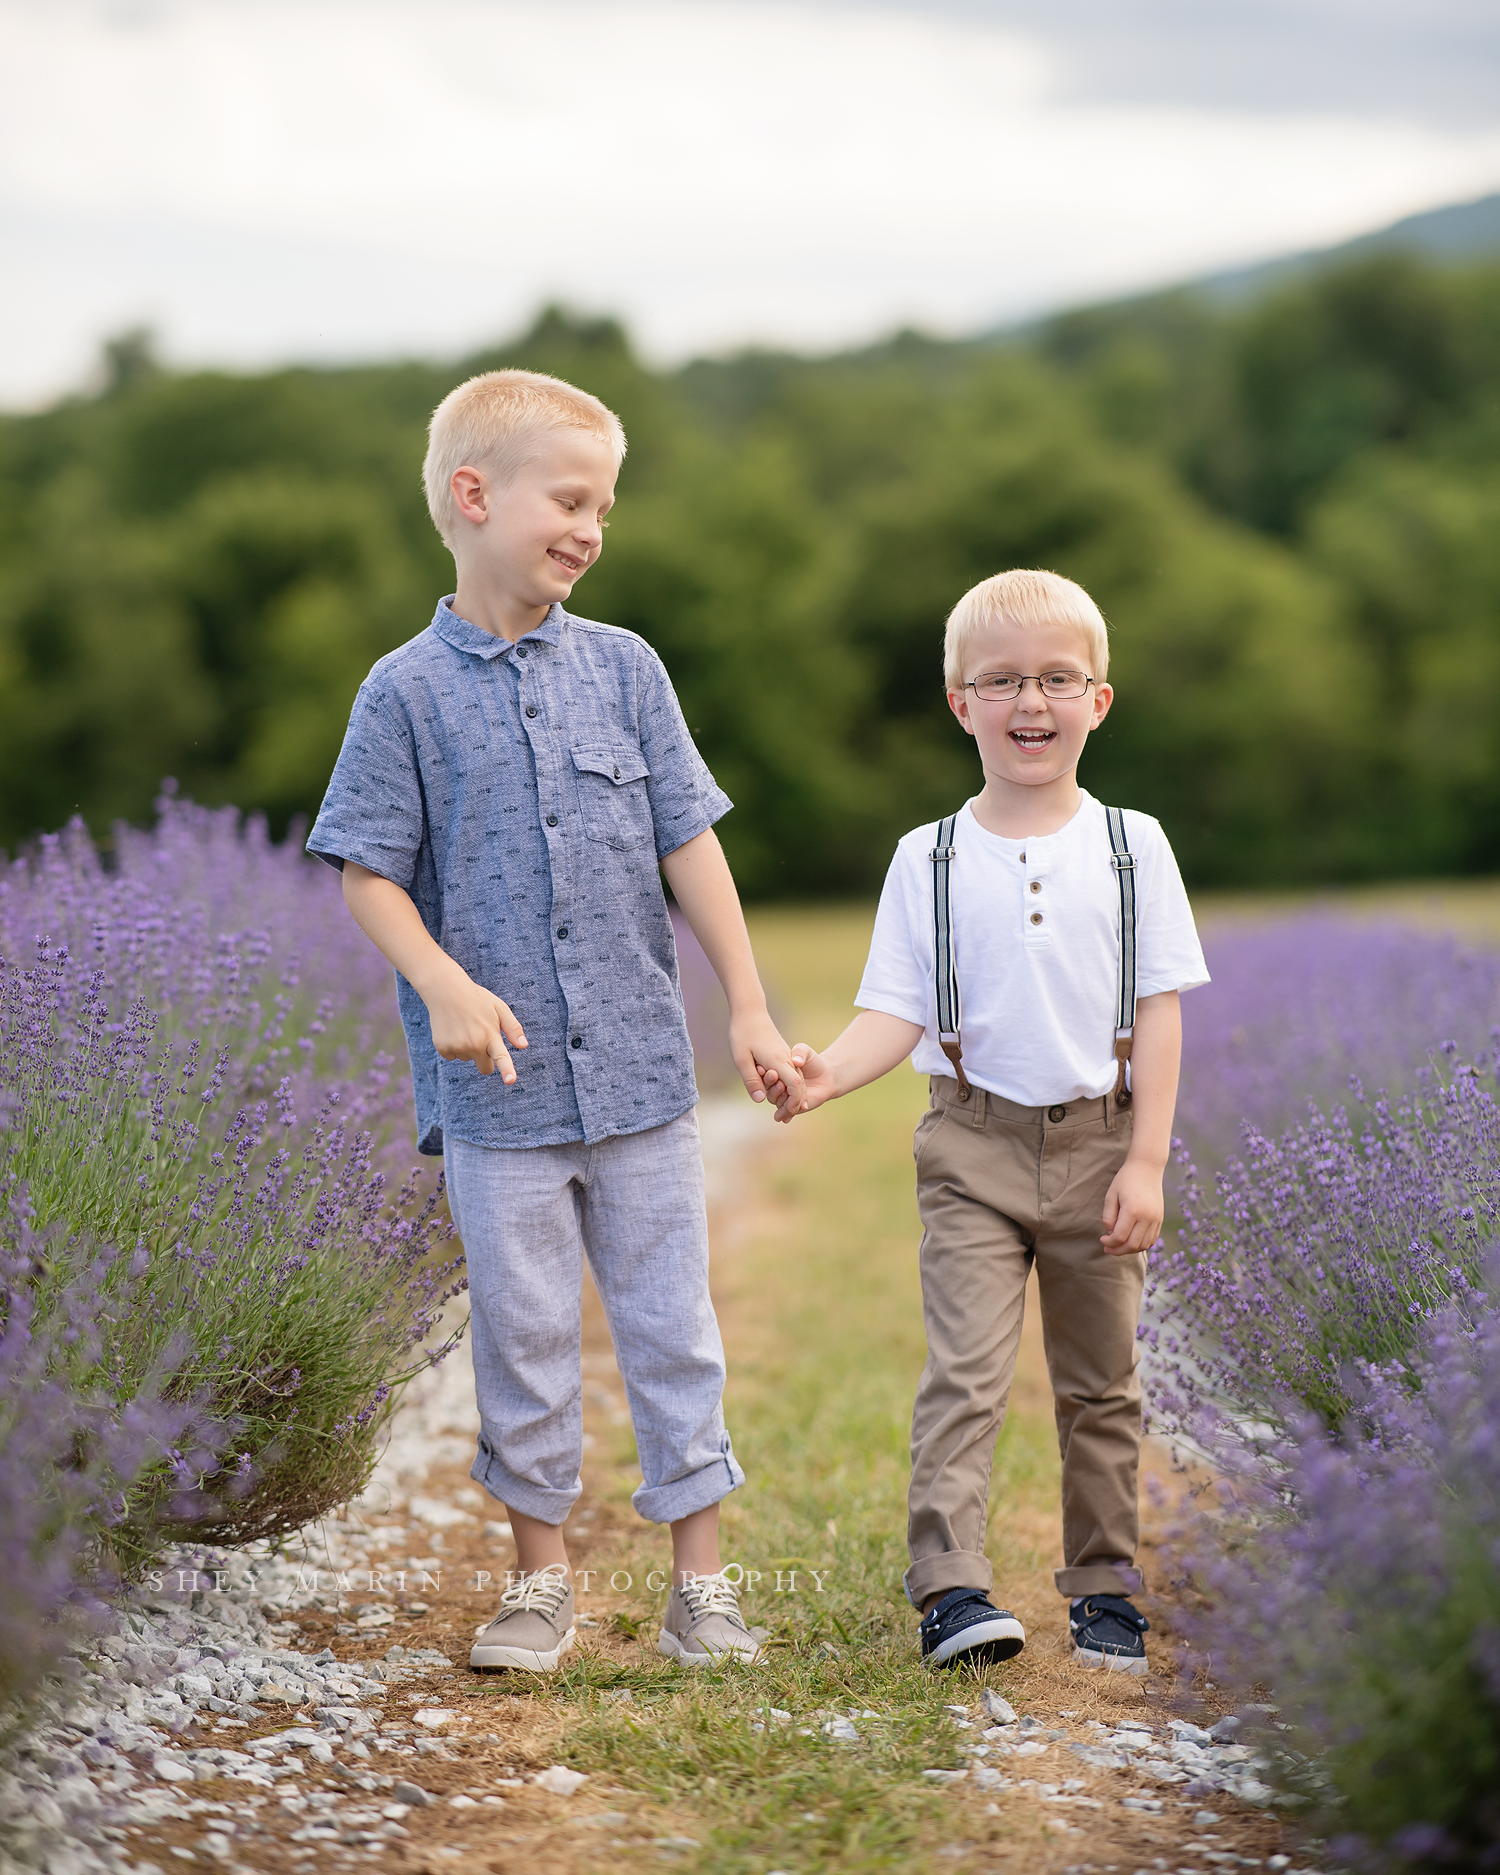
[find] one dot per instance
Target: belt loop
(1109, 1115)
(977, 1101)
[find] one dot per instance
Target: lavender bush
(1320, 1251)
(73, 1443)
(193, 1067)
(1359, 1579)
(1299, 1005)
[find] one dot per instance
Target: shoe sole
(668, 1644)
(522, 1659)
(985, 1640)
(1111, 1663)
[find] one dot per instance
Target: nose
(1041, 695)
(589, 533)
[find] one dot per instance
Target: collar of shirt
(463, 636)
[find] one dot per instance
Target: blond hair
(1024, 596)
(492, 422)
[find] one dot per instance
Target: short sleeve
(1169, 954)
(896, 972)
(372, 812)
(685, 799)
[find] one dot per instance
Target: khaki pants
(1002, 1187)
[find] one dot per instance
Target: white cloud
(331, 178)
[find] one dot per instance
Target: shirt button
(552, 820)
(1036, 885)
(1036, 917)
(577, 1041)
(520, 651)
(1054, 1114)
(562, 930)
(531, 709)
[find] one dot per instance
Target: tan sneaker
(703, 1624)
(534, 1627)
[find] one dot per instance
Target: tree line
(1289, 512)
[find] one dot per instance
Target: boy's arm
(872, 1045)
(1134, 1207)
(468, 1023)
(703, 886)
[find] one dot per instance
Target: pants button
(1057, 1113)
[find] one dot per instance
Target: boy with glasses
(1050, 921)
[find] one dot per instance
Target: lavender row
(205, 1126)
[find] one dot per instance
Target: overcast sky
(329, 179)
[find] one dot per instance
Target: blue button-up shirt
(523, 795)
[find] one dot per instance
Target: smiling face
(525, 543)
(1029, 741)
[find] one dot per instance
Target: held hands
(817, 1085)
(1133, 1210)
(471, 1024)
(766, 1065)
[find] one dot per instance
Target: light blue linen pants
(634, 1206)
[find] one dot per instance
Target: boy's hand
(763, 1059)
(1133, 1210)
(817, 1085)
(471, 1024)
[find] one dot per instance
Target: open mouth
(1033, 738)
(567, 560)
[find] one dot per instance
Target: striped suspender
(1123, 861)
(949, 1001)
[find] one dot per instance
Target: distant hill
(1465, 231)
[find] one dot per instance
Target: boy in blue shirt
(513, 782)
(1037, 1150)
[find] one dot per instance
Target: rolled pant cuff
(683, 1497)
(515, 1494)
(953, 1569)
(1099, 1578)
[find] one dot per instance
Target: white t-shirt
(1036, 943)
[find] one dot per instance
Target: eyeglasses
(998, 686)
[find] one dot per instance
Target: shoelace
(712, 1595)
(544, 1589)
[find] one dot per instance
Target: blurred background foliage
(1289, 511)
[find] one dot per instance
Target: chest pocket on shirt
(612, 794)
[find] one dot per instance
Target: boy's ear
(470, 494)
(1104, 695)
(958, 702)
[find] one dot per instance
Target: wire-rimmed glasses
(1000, 686)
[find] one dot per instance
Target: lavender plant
(1358, 1578)
(71, 1448)
(212, 1093)
(1319, 1252)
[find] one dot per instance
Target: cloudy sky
(328, 179)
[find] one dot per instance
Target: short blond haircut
(1024, 596)
(492, 423)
